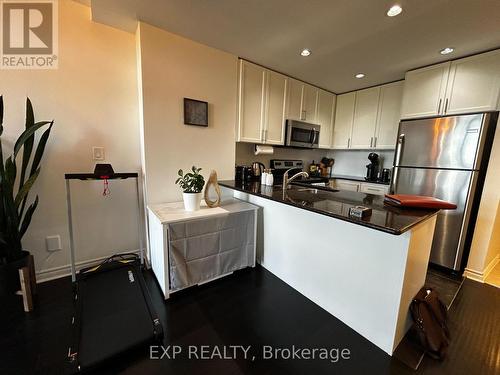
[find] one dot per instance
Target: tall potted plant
(15, 211)
(192, 186)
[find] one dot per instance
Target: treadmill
(113, 313)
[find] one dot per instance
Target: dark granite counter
(336, 203)
(355, 178)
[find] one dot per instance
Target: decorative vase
(192, 201)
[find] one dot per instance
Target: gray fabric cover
(203, 249)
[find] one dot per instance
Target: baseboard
(63, 271)
(480, 276)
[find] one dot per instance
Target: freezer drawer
(445, 142)
(451, 185)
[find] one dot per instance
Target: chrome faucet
(286, 180)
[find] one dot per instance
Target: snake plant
(15, 212)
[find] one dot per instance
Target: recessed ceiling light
(359, 75)
(394, 10)
(305, 52)
(446, 50)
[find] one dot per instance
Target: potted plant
(15, 212)
(192, 185)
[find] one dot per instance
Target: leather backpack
(429, 315)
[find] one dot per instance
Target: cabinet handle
(348, 142)
(446, 105)
(375, 142)
(265, 135)
(439, 105)
(371, 142)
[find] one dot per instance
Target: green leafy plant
(15, 218)
(191, 182)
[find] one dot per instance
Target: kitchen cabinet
(294, 110)
(388, 115)
(261, 102)
(251, 102)
(365, 118)
(344, 116)
(423, 91)
(309, 103)
(302, 101)
(274, 118)
(325, 114)
(344, 185)
(376, 189)
(462, 86)
(473, 84)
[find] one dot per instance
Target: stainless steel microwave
(302, 134)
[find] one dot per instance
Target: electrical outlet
(53, 243)
(98, 153)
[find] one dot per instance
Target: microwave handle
(315, 136)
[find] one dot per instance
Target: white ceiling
(345, 36)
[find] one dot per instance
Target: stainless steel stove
(280, 166)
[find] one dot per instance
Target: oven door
(302, 134)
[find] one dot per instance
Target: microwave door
(300, 137)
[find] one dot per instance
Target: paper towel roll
(263, 150)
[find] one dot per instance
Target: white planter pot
(192, 201)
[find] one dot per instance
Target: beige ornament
(212, 180)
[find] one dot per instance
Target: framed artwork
(195, 112)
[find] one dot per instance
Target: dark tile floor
(250, 307)
(446, 285)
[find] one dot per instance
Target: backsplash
(347, 162)
(353, 162)
(245, 154)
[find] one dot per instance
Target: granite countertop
(336, 203)
(356, 178)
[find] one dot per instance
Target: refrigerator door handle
(399, 150)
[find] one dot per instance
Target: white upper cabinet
(473, 84)
(294, 111)
(274, 119)
(462, 86)
(344, 116)
(251, 102)
(365, 118)
(325, 113)
(424, 90)
(388, 115)
(309, 103)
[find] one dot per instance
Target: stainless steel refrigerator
(446, 158)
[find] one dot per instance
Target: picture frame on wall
(195, 112)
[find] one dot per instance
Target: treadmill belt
(114, 314)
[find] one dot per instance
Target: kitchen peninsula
(363, 271)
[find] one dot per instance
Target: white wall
(485, 245)
(174, 68)
(93, 99)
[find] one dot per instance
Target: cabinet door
(326, 110)
(388, 115)
(365, 118)
(473, 84)
(347, 185)
(274, 123)
(251, 102)
(309, 103)
(344, 114)
(376, 189)
(294, 105)
(424, 91)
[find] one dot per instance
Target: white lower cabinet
(376, 189)
(362, 187)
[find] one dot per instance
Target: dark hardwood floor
(250, 307)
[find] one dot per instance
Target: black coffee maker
(372, 168)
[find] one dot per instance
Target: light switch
(53, 243)
(98, 153)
